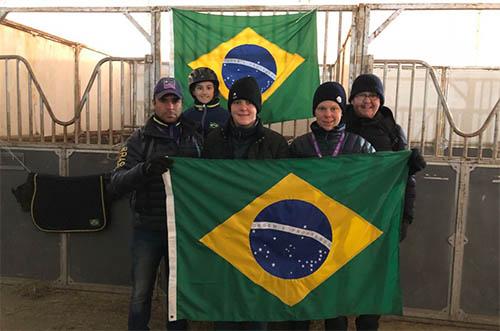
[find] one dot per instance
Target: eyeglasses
(369, 95)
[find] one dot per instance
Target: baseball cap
(167, 85)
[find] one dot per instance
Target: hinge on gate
(148, 58)
(451, 240)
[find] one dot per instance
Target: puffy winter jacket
(148, 193)
(385, 135)
(303, 146)
(258, 142)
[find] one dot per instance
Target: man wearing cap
(141, 162)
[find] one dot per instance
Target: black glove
(416, 161)
(403, 229)
(157, 165)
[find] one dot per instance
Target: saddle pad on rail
(68, 204)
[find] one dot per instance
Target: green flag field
(292, 239)
(279, 51)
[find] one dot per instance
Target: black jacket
(303, 146)
(385, 135)
(148, 193)
(210, 116)
(261, 143)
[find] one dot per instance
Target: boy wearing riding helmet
(204, 87)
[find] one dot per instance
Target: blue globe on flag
(290, 239)
(249, 60)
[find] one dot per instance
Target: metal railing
(436, 130)
(100, 117)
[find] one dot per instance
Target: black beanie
(245, 88)
(367, 83)
(329, 91)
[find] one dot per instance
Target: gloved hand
(416, 162)
(157, 165)
(403, 229)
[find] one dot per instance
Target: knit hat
(245, 88)
(329, 91)
(367, 83)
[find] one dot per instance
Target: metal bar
(447, 111)
(480, 146)
(146, 100)
(30, 110)
(382, 27)
(398, 80)
(410, 106)
(3, 15)
(138, 26)
(354, 41)
(339, 49)
(325, 48)
(87, 121)
(110, 100)
(439, 130)
(466, 147)
(440, 122)
(495, 138)
(76, 101)
(424, 108)
(94, 76)
(122, 95)
(458, 254)
(229, 8)
(450, 143)
(42, 122)
(134, 95)
(99, 107)
(7, 99)
(155, 45)
(53, 133)
(384, 78)
(65, 133)
(19, 113)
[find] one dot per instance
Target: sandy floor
(36, 306)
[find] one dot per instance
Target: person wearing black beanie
(367, 116)
(367, 83)
(328, 138)
(248, 89)
(244, 137)
(329, 91)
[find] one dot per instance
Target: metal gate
(450, 260)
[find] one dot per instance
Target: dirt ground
(37, 306)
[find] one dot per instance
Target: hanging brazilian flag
(279, 51)
(285, 239)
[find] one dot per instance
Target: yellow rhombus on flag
(286, 63)
(351, 234)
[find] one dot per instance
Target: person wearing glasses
(367, 116)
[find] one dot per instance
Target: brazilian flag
(271, 240)
(279, 51)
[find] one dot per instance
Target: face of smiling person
(366, 104)
(168, 108)
(244, 113)
(328, 114)
(204, 92)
